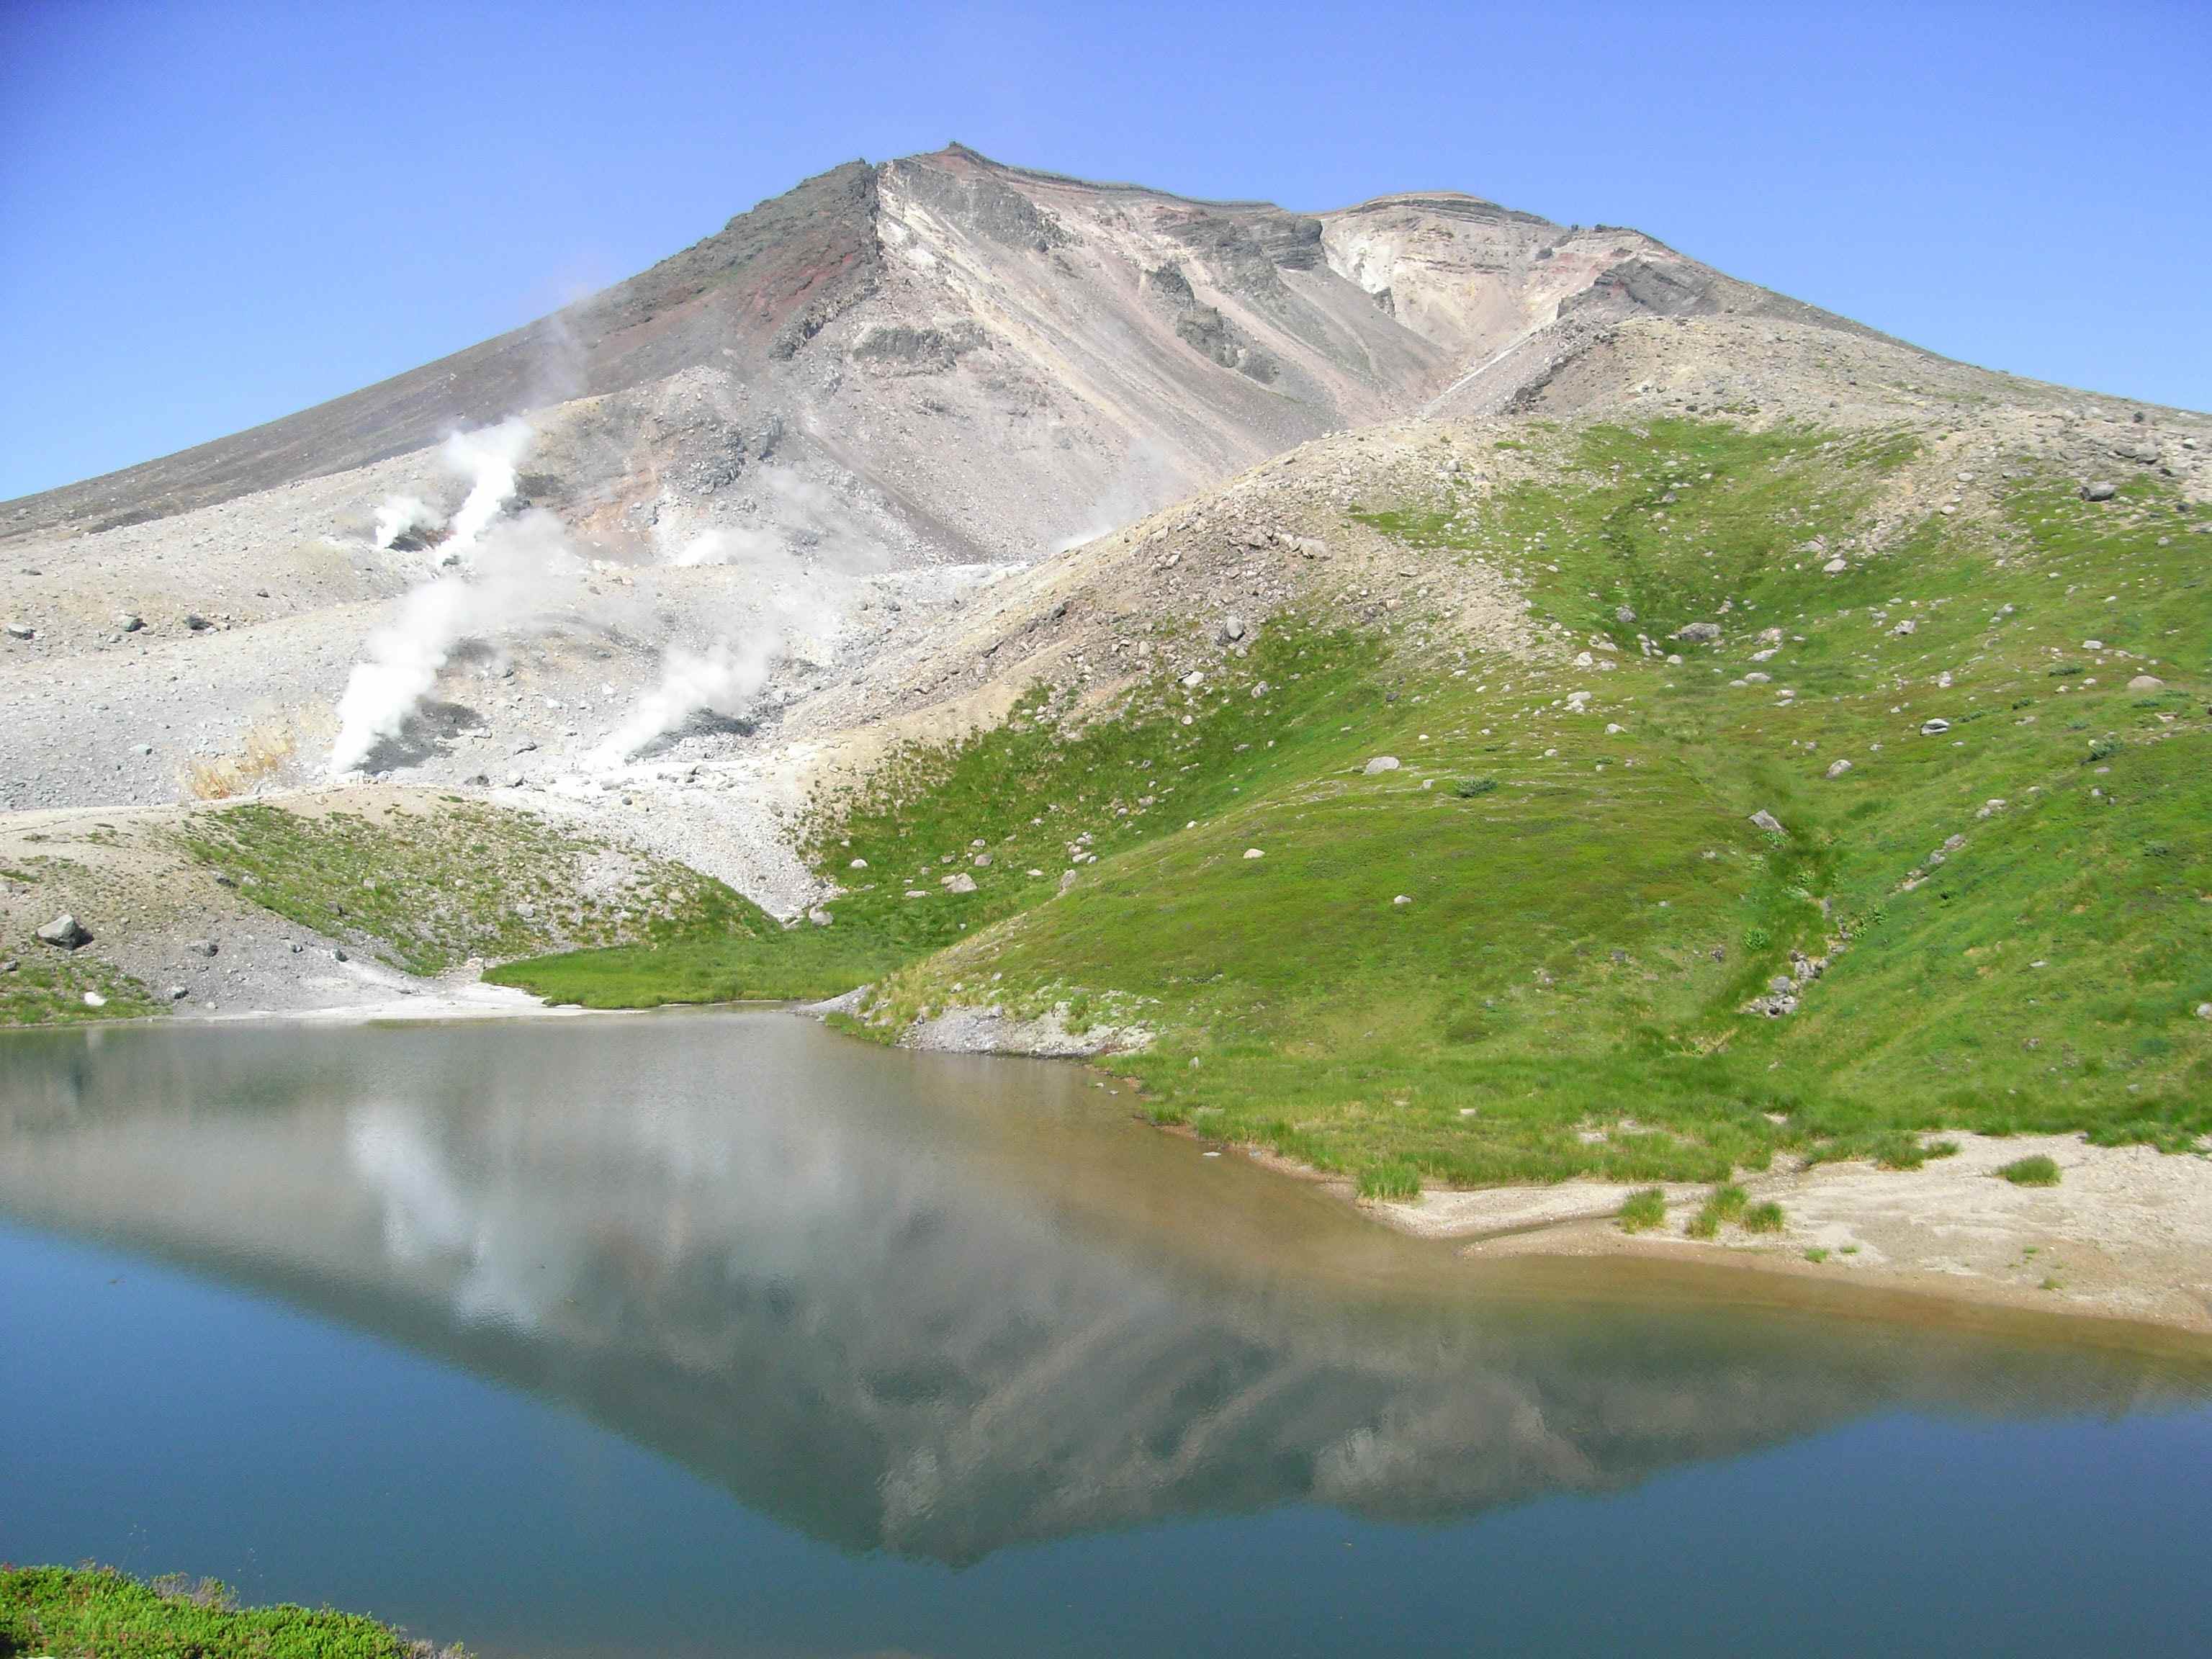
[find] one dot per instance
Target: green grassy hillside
(1538, 945)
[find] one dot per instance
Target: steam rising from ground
(516, 568)
(491, 460)
(511, 566)
(721, 680)
(402, 513)
(803, 560)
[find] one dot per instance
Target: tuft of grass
(1725, 1203)
(1397, 1179)
(2036, 1171)
(1763, 1218)
(1816, 1254)
(1907, 1151)
(264, 753)
(84, 1611)
(1469, 788)
(1643, 1211)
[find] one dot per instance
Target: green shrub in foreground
(2036, 1171)
(82, 1612)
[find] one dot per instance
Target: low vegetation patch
(96, 1612)
(40, 985)
(427, 890)
(1726, 1204)
(2036, 1171)
(1643, 1211)
(1766, 1218)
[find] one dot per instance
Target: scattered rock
(1908, 626)
(858, 864)
(2098, 491)
(1837, 768)
(1766, 821)
(1403, 898)
(1624, 614)
(130, 623)
(22, 631)
(177, 993)
(93, 999)
(1935, 727)
(202, 947)
(2146, 682)
(67, 931)
(1698, 633)
(196, 622)
(1232, 630)
(962, 883)
(1253, 852)
(1837, 566)
(1380, 763)
(1066, 880)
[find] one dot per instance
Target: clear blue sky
(211, 215)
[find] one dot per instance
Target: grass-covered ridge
(96, 1612)
(1009, 811)
(1537, 947)
(428, 890)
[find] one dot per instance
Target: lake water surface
(709, 1333)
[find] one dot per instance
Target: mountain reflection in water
(934, 1305)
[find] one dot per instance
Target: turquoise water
(715, 1334)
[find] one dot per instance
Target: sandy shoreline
(2126, 1234)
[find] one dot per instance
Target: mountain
(926, 320)
(1446, 699)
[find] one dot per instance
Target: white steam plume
(402, 513)
(516, 568)
(490, 458)
(721, 680)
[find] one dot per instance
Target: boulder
(1232, 630)
(1698, 633)
(203, 947)
(195, 621)
(22, 631)
(1380, 763)
(1935, 727)
(1624, 614)
(962, 883)
(1837, 566)
(1253, 852)
(131, 623)
(67, 931)
(2146, 682)
(2098, 491)
(1766, 821)
(1837, 768)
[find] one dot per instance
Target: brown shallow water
(714, 1333)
